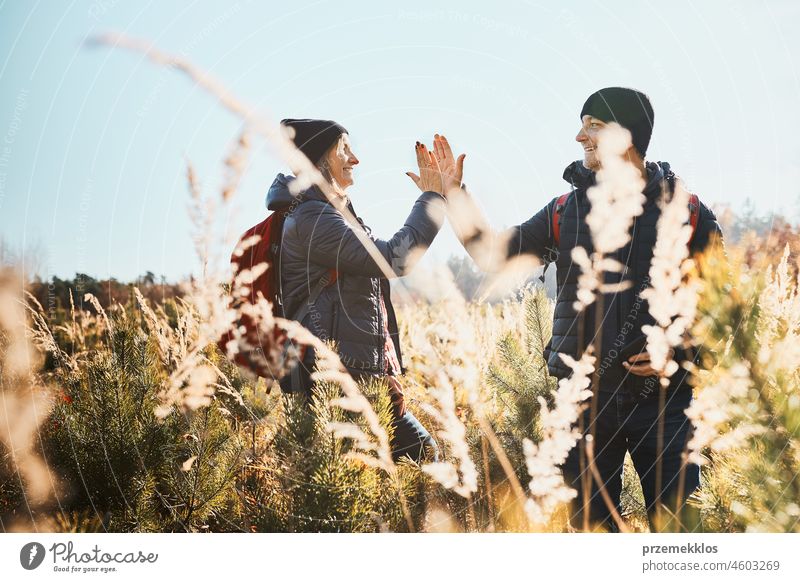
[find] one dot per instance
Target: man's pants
(623, 425)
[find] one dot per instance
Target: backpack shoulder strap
(694, 206)
(694, 214)
(328, 279)
(295, 376)
(561, 201)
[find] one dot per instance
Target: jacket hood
(579, 175)
(581, 178)
(280, 197)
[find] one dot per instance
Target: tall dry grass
(172, 437)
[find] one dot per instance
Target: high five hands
(439, 171)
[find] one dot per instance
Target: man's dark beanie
(314, 137)
(628, 107)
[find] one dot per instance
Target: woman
(323, 259)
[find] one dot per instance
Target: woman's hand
(396, 394)
(452, 169)
(430, 178)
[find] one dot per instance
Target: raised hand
(452, 169)
(430, 177)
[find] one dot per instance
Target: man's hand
(452, 169)
(639, 364)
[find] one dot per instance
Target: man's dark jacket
(624, 312)
(318, 238)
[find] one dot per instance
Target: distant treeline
(760, 234)
(55, 294)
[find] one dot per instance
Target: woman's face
(341, 160)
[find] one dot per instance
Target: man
(625, 416)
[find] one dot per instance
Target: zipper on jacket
(392, 319)
(334, 322)
(381, 331)
(631, 257)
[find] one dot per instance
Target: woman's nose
(353, 160)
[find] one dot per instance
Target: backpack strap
(694, 205)
(328, 279)
(561, 201)
(694, 214)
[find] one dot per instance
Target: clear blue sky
(93, 142)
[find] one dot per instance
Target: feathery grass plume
(671, 296)
(487, 247)
(547, 487)
(99, 309)
(206, 314)
(19, 356)
(462, 476)
(158, 329)
(439, 520)
(616, 200)
(19, 423)
(718, 414)
(753, 395)
(25, 403)
(374, 450)
(779, 321)
(235, 164)
(514, 274)
(447, 342)
(201, 212)
(445, 347)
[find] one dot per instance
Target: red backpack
(561, 202)
(265, 354)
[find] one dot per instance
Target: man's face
(588, 137)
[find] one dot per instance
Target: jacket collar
(581, 178)
(279, 196)
(578, 176)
